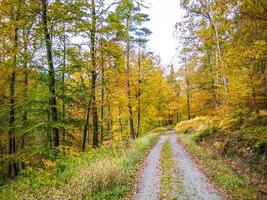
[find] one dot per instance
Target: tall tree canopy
(75, 74)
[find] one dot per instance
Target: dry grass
(106, 173)
(194, 125)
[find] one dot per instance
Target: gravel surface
(149, 183)
(196, 184)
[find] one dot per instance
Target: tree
(132, 18)
(51, 73)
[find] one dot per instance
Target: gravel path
(196, 184)
(149, 183)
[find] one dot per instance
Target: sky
(163, 14)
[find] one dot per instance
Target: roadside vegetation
(231, 152)
(106, 173)
(222, 91)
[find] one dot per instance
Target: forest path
(196, 184)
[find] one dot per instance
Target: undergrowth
(106, 173)
(193, 125)
(241, 141)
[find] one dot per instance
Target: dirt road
(196, 184)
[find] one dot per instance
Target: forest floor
(182, 172)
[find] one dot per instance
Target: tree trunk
(94, 76)
(139, 95)
(110, 122)
(128, 86)
(187, 92)
(11, 132)
(87, 120)
(219, 56)
(86, 126)
(25, 87)
(213, 83)
(12, 169)
(51, 74)
(63, 91)
(120, 122)
(102, 98)
(25, 112)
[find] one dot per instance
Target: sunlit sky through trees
(164, 14)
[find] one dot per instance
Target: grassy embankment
(105, 173)
(214, 144)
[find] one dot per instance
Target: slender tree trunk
(94, 76)
(11, 132)
(51, 74)
(102, 97)
(87, 120)
(213, 83)
(128, 86)
(219, 56)
(120, 122)
(25, 88)
(63, 91)
(187, 91)
(12, 169)
(86, 125)
(110, 122)
(139, 95)
(25, 112)
(188, 105)
(49, 132)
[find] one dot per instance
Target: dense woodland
(222, 82)
(223, 53)
(77, 75)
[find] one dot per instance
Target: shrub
(207, 133)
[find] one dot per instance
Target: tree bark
(86, 126)
(51, 73)
(120, 122)
(87, 120)
(110, 122)
(94, 76)
(187, 92)
(25, 86)
(139, 95)
(63, 90)
(128, 86)
(102, 98)
(12, 169)
(25, 112)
